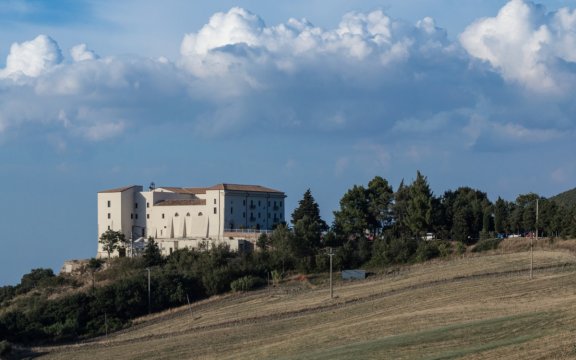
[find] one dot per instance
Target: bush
(5, 348)
(427, 250)
(247, 283)
(487, 244)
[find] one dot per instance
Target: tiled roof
(181, 202)
(237, 187)
(122, 189)
(179, 190)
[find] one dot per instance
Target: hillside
(567, 198)
(474, 306)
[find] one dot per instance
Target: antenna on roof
(152, 186)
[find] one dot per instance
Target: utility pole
(149, 302)
(331, 254)
(532, 244)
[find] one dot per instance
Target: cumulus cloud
(527, 45)
(372, 76)
(81, 53)
(32, 58)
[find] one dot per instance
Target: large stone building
(187, 217)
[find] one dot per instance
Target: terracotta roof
(237, 187)
(180, 190)
(181, 202)
(122, 189)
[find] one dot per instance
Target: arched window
(200, 213)
(176, 215)
(187, 214)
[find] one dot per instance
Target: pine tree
(419, 210)
(308, 207)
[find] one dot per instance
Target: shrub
(427, 250)
(487, 244)
(5, 348)
(247, 283)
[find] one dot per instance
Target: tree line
(374, 226)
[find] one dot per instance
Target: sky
(319, 94)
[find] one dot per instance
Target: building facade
(188, 217)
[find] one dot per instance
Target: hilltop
(473, 306)
(567, 198)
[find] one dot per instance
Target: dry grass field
(476, 307)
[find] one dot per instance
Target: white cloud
(32, 58)
(81, 53)
(525, 44)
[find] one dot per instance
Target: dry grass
(479, 307)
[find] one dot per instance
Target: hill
(567, 198)
(473, 307)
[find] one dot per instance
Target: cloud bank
(508, 77)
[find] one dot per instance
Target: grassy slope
(476, 307)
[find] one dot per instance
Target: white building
(188, 217)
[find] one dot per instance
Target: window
(108, 215)
(243, 202)
(268, 215)
(259, 203)
(268, 203)
(162, 216)
(176, 215)
(136, 216)
(108, 227)
(214, 201)
(147, 204)
(214, 210)
(244, 214)
(258, 215)
(108, 203)
(187, 214)
(131, 216)
(135, 205)
(147, 216)
(231, 210)
(200, 213)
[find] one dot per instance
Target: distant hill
(567, 198)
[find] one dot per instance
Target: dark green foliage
(152, 254)
(486, 244)
(5, 348)
(112, 241)
(566, 199)
(307, 207)
(427, 250)
(394, 250)
(247, 283)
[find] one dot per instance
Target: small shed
(353, 274)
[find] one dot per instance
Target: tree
(419, 212)
(379, 195)
(152, 254)
(111, 241)
(352, 218)
(308, 226)
(500, 215)
(308, 207)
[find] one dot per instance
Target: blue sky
(319, 94)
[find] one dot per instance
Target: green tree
(351, 221)
(111, 241)
(380, 196)
(500, 215)
(308, 207)
(419, 212)
(152, 254)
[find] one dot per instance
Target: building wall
(138, 213)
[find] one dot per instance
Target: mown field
(476, 307)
